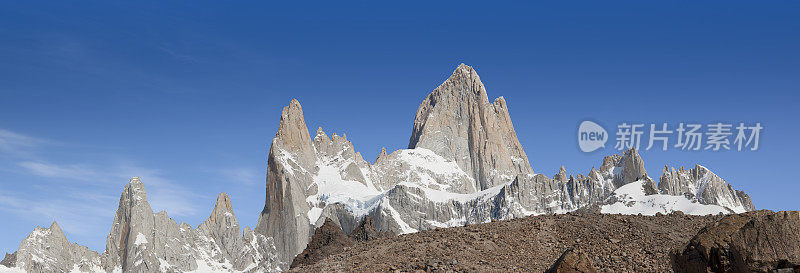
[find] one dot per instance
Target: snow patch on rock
(631, 199)
(140, 239)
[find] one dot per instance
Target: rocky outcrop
(381, 155)
(328, 239)
(562, 176)
(420, 167)
(131, 243)
(366, 231)
(305, 176)
(10, 260)
(704, 186)
(458, 122)
(290, 164)
(624, 169)
(47, 250)
(572, 261)
(464, 165)
(143, 241)
(223, 227)
(412, 205)
(595, 188)
(339, 153)
(340, 214)
(759, 241)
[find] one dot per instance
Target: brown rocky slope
(757, 241)
(613, 243)
(328, 239)
(601, 242)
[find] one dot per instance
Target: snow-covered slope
(632, 199)
(47, 250)
(704, 186)
(5, 269)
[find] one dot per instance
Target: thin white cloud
(44, 169)
(74, 215)
(87, 210)
(163, 193)
(177, 55)
(82, 196)
(82, 210)
(93, 196)
(18, 144)
(242, 175)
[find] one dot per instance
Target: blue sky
(187, 95)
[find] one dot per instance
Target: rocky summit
(458, 122)
(143, 241)
(464, 165)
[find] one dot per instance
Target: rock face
(143, 241)
(366, 231)
(457, 122)
(596, 187)
(464, 165)
(290, 164)
(133, 231)
(10, 260)
(223, 227)
(572, 262)
(328, 239)
(47, 250)
(759, 241)
(704, 186)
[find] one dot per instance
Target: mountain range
(463, 165)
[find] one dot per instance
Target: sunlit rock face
(464, 165)
(458, 122)
(704, 186)
(143, 241)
